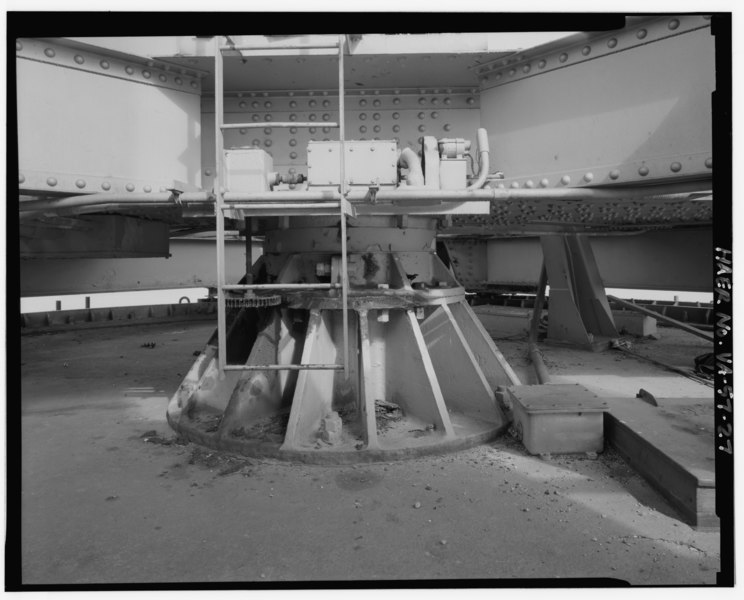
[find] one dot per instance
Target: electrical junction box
(247, 170)
(368, 162)
(453, 174)
(558, 418)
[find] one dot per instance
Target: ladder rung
(280, 205)
(278, 124)
(282, 286)
(318, 46)
(309, 367)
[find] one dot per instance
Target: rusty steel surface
(656, 260)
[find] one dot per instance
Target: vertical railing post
(342, 168)
(218, 206)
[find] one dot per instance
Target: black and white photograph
(368, 300)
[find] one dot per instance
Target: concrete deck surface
(102, 505)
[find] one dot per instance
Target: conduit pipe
(483, 154)
(408, 159)
(534, 352)
(667, 192)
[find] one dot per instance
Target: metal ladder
(275, 208)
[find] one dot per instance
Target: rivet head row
(586, 50)
(709, 163)
(614, 174)
(147, 189)
(676, 167)
(79, 59)
(129, 69)
(80, 183)
(641, 33)
(51, 181)
(50, 52)
(130, 187)
(146, 74)
(612, 42)
(643, 170)
(588, 177)
(21, 178)
(673, 24)
(566, 179)
(104, 64)
(544, 183)
(563, 57)
(541, 64)
(106, 186)
(19, 46)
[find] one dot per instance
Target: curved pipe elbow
(483, 157)
(408, 159)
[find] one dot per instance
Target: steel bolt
(326, 103)
(242, 104)
(499, 75)
(422, 128)
(79, 59)
(267, 130)
(146, 74)
(312, 103)
(673, 24)
(267, 143)
(255, 104)
(80, 183)
(396, 100)
(130, 187)
(563, 57)
(269, 117)
(512, 72)
(51, 181)
(292, 104)
(588, 177)
(396, 115)
(21, 178)
(526, 68)
(421, 115)
(376, 129)
(447, 127)
(529, 184)
(106, 186)
(242, 130)
(178, 80)
(470, 100)
(293, 155)
(326, 117)
(614, 174)
(267, 104)
(709, 163)
(312, 130)
(422, 100)
(643, 170)
(194, 84)
(147, 189)
(362, 102)
(586, 50)
(326, 129)
(544, 183)
(641, 33)
(19, 46)
(162, 78)
(566, 179)
(129, 70)
(362, 129)
(255, 118)
(362, 116)
(676, 167)
(293, 142)
(396, 128)
(541, 64)
(50, 52)
(514, 184)
(293, 130)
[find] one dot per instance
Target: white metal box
(247, 170)
(558, 418)
(368, 162)
(453, 174)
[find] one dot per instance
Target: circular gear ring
(253, 301)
